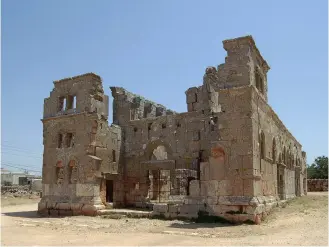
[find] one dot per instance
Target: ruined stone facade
(229, 155)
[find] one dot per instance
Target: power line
(13, 148)
(25, 166)
(5, 152)
(20, 168)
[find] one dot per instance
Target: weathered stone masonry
(229, 155)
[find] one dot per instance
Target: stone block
(195, 188)
(76, 206)
(212, 200)
(223, 200)
(190, 209)
(194, 146)
(187, 215)
(224, 188)
(161, 208)
(254, 201)
(174, 209)
(65, 212)
(63, 206)
(42, 205)
(261, 199)
(248, 187)
(200, 200)
(204, 171)
(191, 98)
(190, 107)
(250, 210)
(90, 210)
(212, 188)
(259, 209)
(85, 189)
(237, 187)
(216, 168)
(76, 212)
(177, 198)
(53, 212)
(45, 190)
(43, 212)
(221, 209)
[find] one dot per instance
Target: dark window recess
(262, 145)
(178, 125)
(213, 123)
(68, 139)
(60, 140)
(135, 129)
(114, 159)
(71, 102)
(70, 174)
(61, 104)
(132, 114)
(149, 126)
(164, 126)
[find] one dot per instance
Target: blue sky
(158, 49)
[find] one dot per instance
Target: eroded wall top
(128, 106)
(83, 93)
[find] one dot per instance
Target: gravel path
(303, 222)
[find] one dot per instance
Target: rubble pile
(17, 191)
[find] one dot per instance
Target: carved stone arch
(153, 146)
(59, 172)
(73, 170)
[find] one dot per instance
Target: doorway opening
(109, 191)
(280, 183)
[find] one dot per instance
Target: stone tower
(77, 145)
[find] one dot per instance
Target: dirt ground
(304, 221)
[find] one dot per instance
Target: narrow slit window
(113, 156)
(61, 104)
(69, 137)
(262, 145)
(74, 102)
(60, 140)
(69, 102)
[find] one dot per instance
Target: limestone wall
(193, 136)
(280, 148)
(317, 184)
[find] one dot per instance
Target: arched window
(262, 145)
(274, 151)
(59, 172)
(284, 159)
(72, 171)
(259, 82)
(280, 158)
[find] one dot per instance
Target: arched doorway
(159, 169)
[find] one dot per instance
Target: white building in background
(16, 178)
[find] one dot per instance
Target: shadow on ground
(193, 225)
(23, 214)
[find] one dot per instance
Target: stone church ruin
(229, 155)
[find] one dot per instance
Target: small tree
(319, 169)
